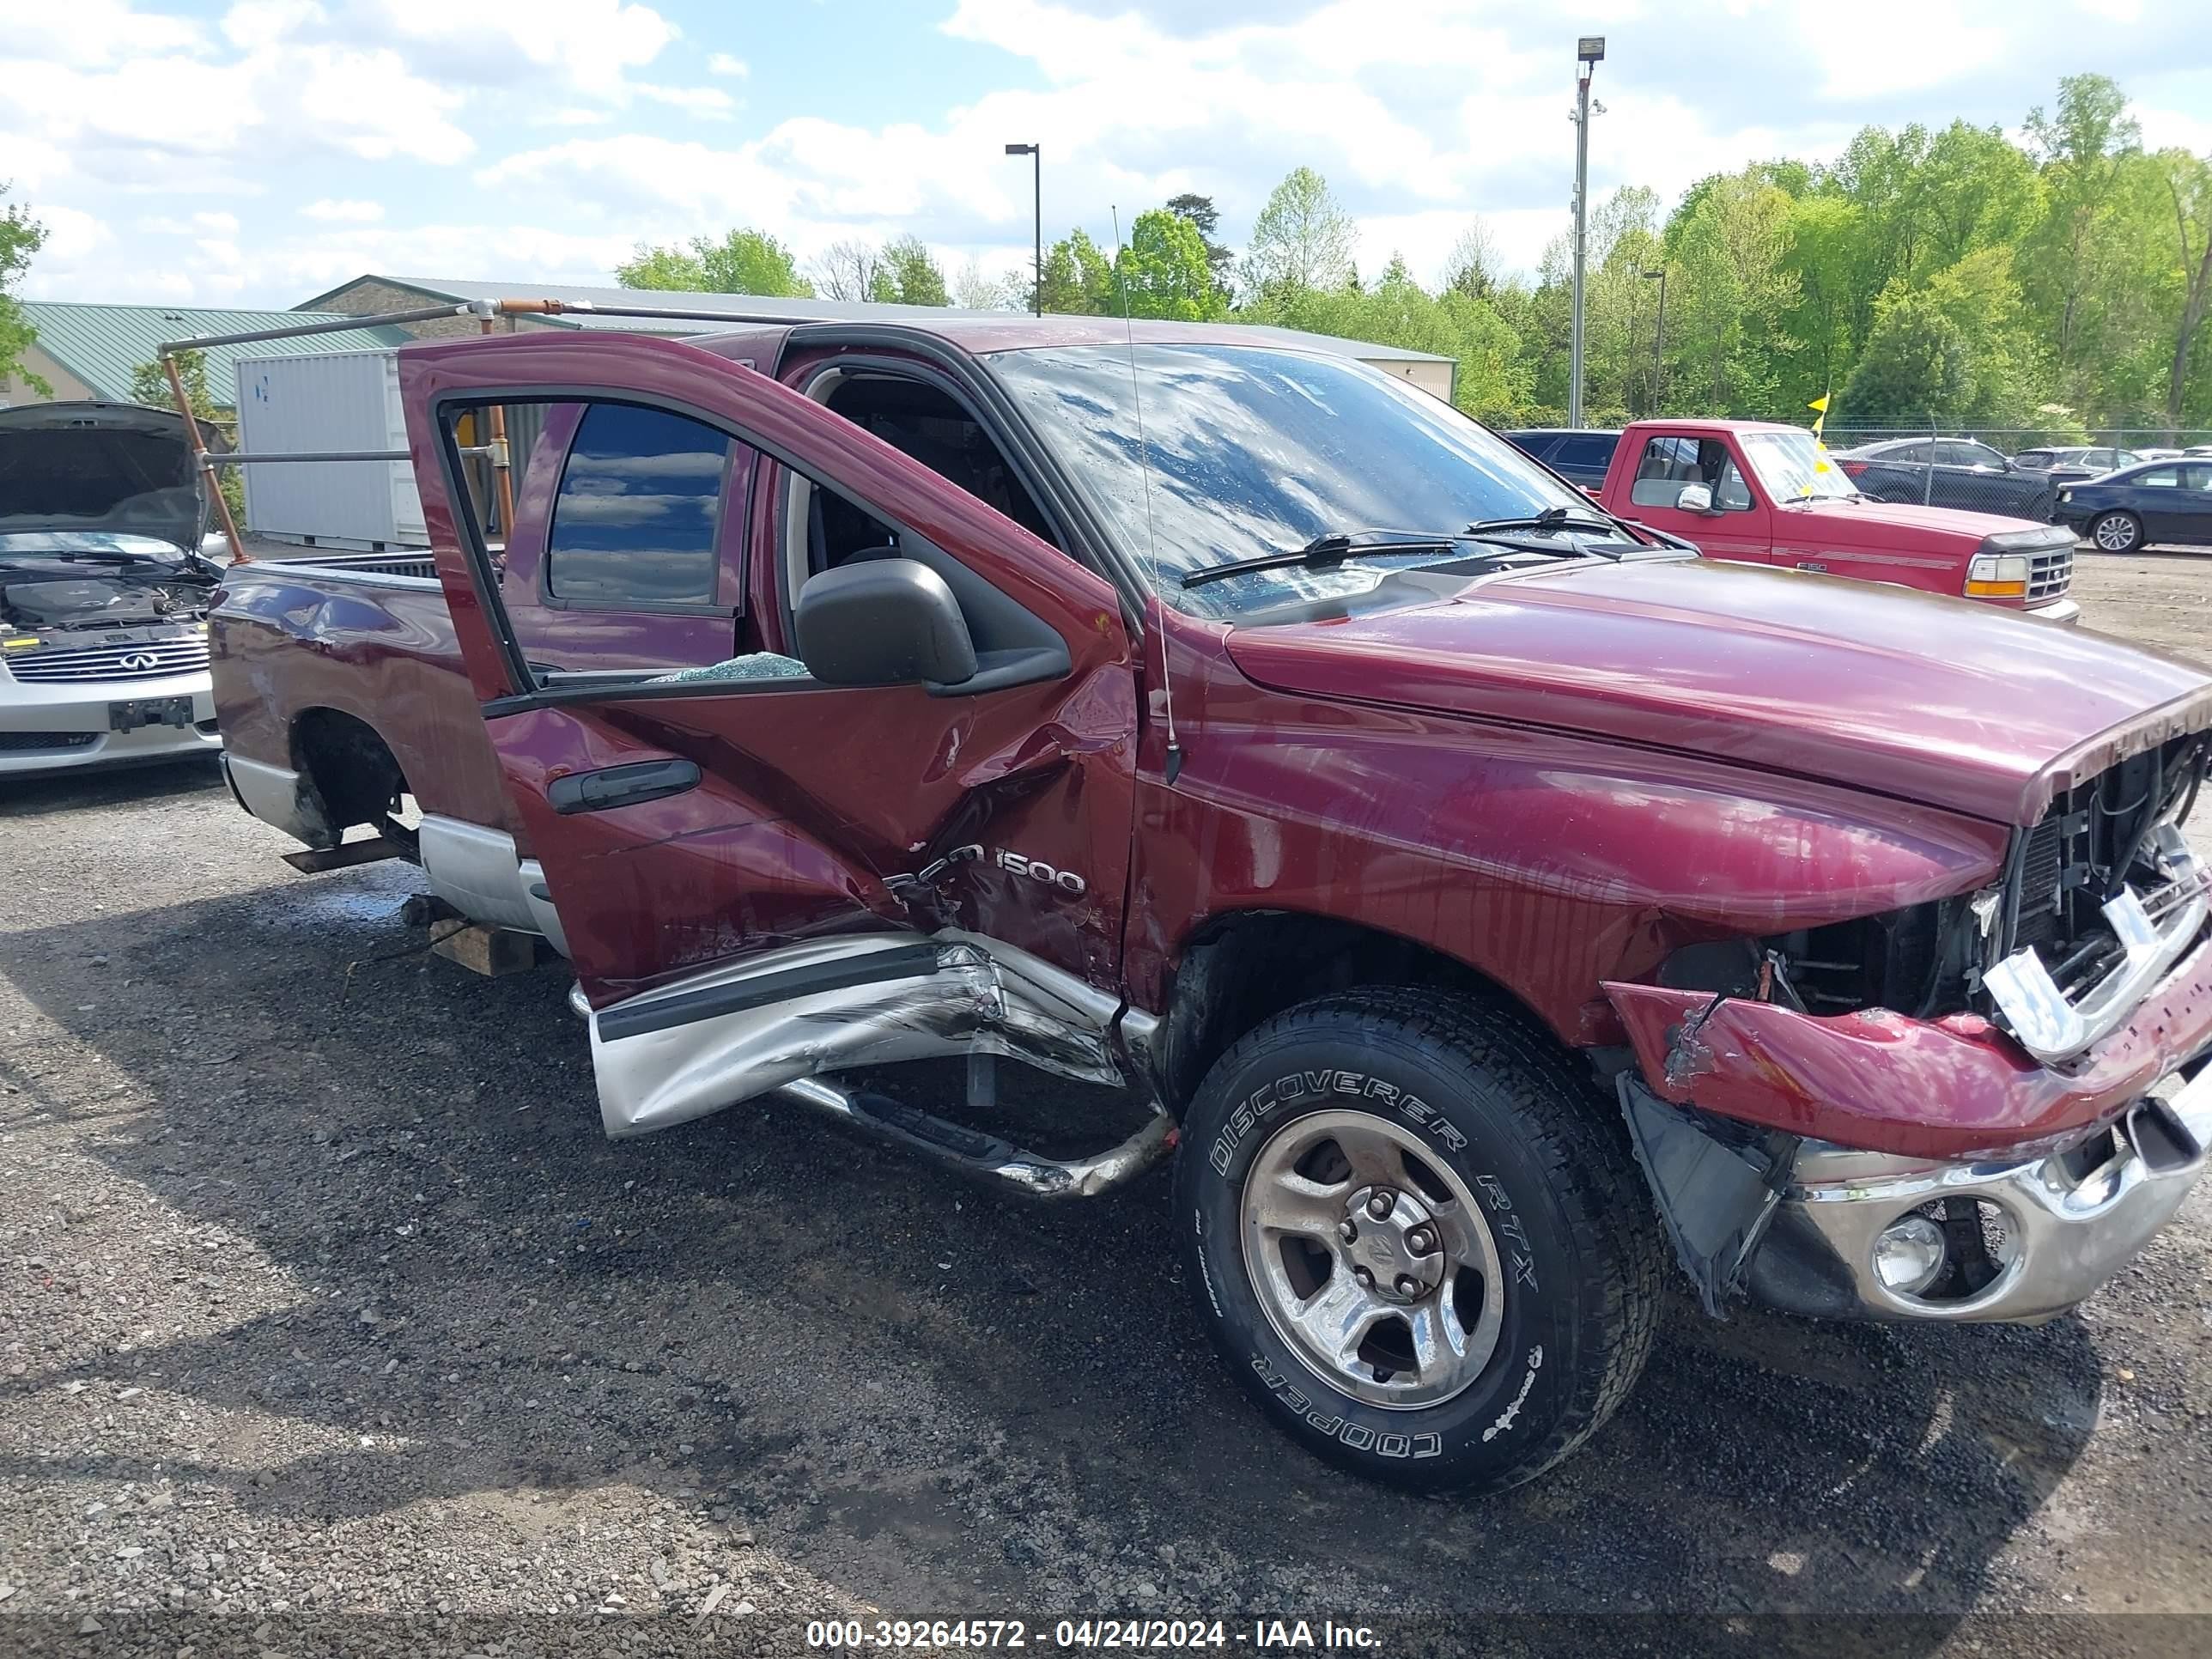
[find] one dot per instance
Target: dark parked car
(2157, 501)
(1579, 457)
(2077, 464)
(1948, 472)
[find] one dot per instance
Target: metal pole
(502, 473)
(1659, 348)
(1036, 177)
(1582, 206)
(200, 455)
(1927, 479)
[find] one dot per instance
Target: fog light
(1908, 1255)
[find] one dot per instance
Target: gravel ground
(329, 1321)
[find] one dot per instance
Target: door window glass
(2159, 477)
(1669, 463)
(639, 513)
(1589, 450)
(1919, 452)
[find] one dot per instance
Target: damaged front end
(1944, 1112)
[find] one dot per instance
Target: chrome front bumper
(2065, 1233)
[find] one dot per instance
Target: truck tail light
(1852, 469)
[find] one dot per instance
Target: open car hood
(120, 469)
(1956, 705)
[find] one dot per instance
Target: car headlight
(1997, 576)
(2065, 495)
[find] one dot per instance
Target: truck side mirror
(1695, 498)
(883, 622)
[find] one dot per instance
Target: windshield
(1254, 451)
(1794, 467)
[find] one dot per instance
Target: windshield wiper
(1551, 518)
(1331, 548)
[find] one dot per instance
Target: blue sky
(259, 152)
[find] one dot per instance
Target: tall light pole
(1589, 52)
(1036, 152)
(1658, 339)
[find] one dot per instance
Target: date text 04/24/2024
(1256, 1636)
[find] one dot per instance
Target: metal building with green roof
(84, 350)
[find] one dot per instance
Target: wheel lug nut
(1346, 1231)
(1380, 1206)
(1408, 1286)
(1364, 1277)
(1418, 1241)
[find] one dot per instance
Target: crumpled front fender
(1950, 1088)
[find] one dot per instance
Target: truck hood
(1960, 705)
(117, 469)
(1865, 525)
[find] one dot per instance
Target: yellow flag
(1820, 404)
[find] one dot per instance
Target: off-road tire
(1518, 1120)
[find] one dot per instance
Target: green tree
(1958, 351)
(2189, 180)
(2077, 254)
(21, 236)
(912, 275)
(1730, 288)
(745, 261)
(1078, 278)
(1302, 242)
(1165, 271)
(150, 385)
(1202, 216)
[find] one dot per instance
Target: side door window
(627, 548)
(2159, 478)
(636, 521)
(1665, 466)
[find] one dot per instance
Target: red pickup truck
(1762, 494)
(1488, 900)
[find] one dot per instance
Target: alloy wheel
(1371, 1260)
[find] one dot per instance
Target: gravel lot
(329, 1321)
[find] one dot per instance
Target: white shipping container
(332, 400)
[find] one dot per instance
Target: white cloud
(338, 211)
(711, 102)
(721, 63)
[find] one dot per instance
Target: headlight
(1997, 576)
(2065, 494)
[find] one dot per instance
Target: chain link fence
(1956, 467)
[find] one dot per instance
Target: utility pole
(1589, 52)
(1659, 341)
(1036, 171)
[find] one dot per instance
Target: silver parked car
(104, 589)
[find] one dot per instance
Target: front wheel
(1419, 1238)
(2117, 533)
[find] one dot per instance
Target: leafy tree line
(1949, 276)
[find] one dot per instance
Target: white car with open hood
(103, 589)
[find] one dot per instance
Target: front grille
(71, 667)
(19, 743)
(2050, 574)
(2096, 839)
(2042, 868)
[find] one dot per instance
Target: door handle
(621, 786)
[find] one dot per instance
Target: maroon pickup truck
(1489, 900)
